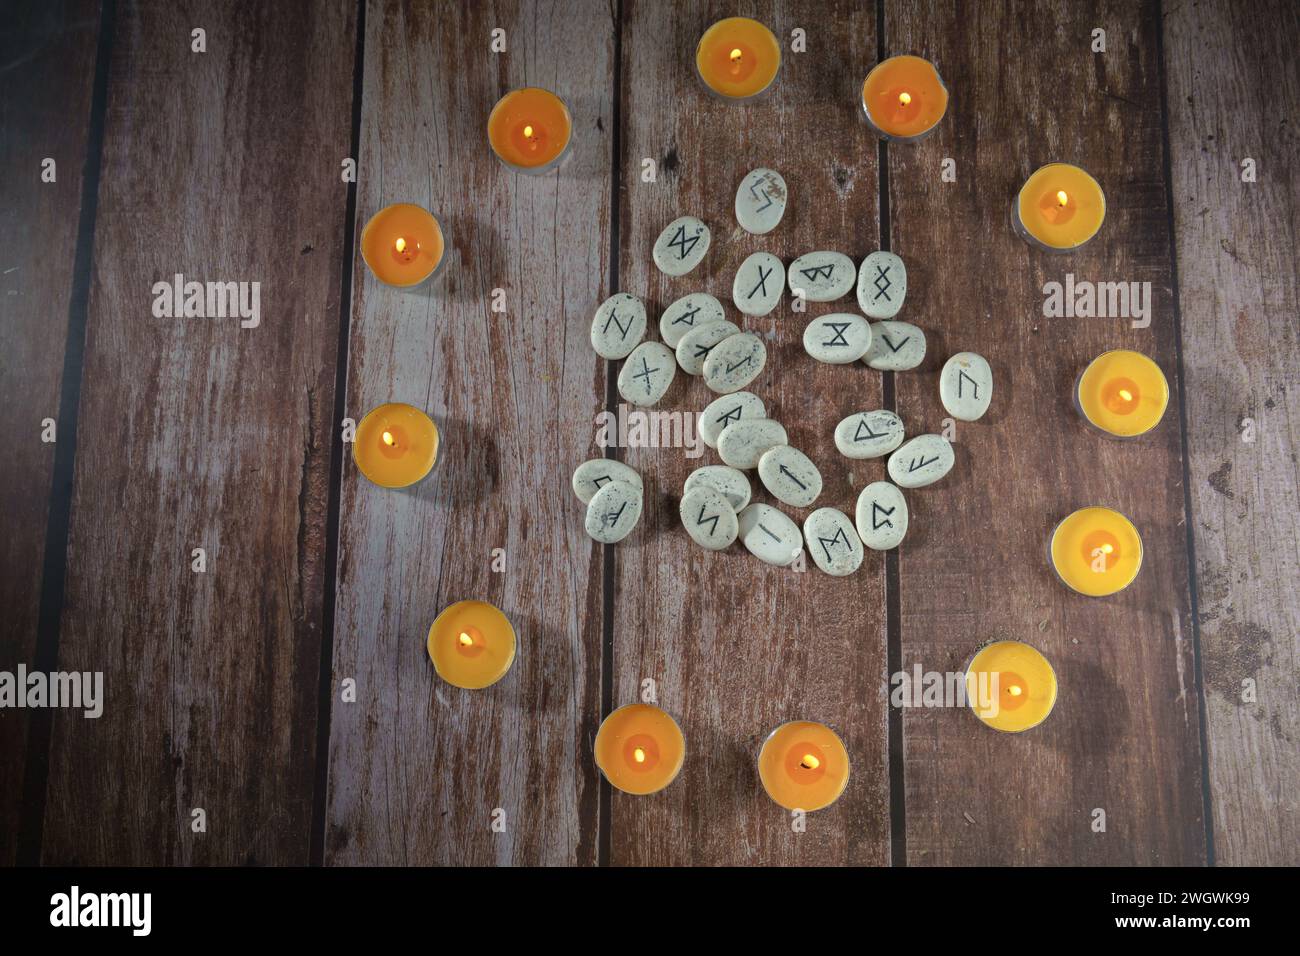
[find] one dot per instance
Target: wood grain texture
(1125, 734)
(44, 113)
(736, 647)
(196, 433)
(1234, 93)
(417, 766)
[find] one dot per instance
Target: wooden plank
(737, 647)
(417, 767)
(1234, 94)
(197, 433)
(1026, 90)
(44, 113)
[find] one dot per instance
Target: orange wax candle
(395, 445)
(1122, 393)
(471, 644)
(903, 98)
(803, 766)
(1059, 208)
(640, 748)
(738, 58)
(402, 244)
(530, 130)
(1096, 551)
(1010, 686)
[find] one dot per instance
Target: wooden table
(227, 688)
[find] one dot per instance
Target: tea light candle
(738, 58)
(1122, 393)
(530, 130)
(803, 766)
(1025, 686)
(640, 749)
(1059, 208)
(1096, 551)
(471, 644)
(403, 245)
(395, 445)
(903, 98)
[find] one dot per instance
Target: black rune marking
(762, 281)
(786, 471)
(599, 481)
(645, 373)
(682, 243)
(774, 537)
(840, 328)
(913, 466)
(961, 374)
(881, 290)
(877, 523)
(755, 191)
(818, 272)
(732, 416)
(688, 317)
(613, 317)
(611, 517)
(711, 520)
(864, 427)
(745, 361)
(840, 538)
(892, 346)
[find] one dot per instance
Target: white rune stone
(966, 386)
(920, 462)
(708, 517)
(882, 285)
(647, 373)
(728, 409)
(688, 312)
(735, 362)
(618, 327)
(760, 201)
(613, 512)
(833, 542)
(732, 483)
(681, 246)
(838, 338)
(881, 516)
(869, 434)
(895, 346)
(741, 445)
(790, 476)
(694, 347)
(590, 476)
(770, 535)
(821, 276)
(758, 284)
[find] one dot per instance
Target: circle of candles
(403, 245)
(1096, 551)
(395, 445)
(904, 98)
(1122, 393)
(530, 130)
(471, 644)
(640, 749)
(803, 766)
(738, 58)
(1059, 208)
(1010, 686)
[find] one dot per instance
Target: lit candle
(402, 244)
(903, 98)
(1010, 686)
(1059, 208)
(1122, 393)
(803, 766)
(738, 58)
(640, 748)
(395, 445)
(471, 644)
(530, 130)
(1096, 551)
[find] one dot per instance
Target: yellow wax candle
(1122, 393)
(738, 58)
(1096, 551)
(1010, 686)
(530, 130)
(395, 445)
(1059, 208)
(803, 766)
(904, 98)
(471, 644)
(402, 244)
(640, 749)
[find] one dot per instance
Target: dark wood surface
(195, 433)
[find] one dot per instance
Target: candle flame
(736, 54)
(809, 762)
(389, 439)
(1107, 548)
(1125, 394)
(1061, 197)
(638, 755)
(1014, 690)
(528, 131)
(904, 98)
(465, 639)
(400, 244)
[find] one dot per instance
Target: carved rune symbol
(711, 520)
(774, 537)
(882, 290)
(688, 317)
(961, 375)
(818, 272)
(731, 416)
(762, 281)
(682, 243)
(786, 471)
(840, 538)
(892, 346)
(913, 466)
(864, 431)
(755, 191)
(840, 328)
(613, 317)
(877, 523)
(645, 373)
(601, 480)
(611, 517)
(745, 361)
